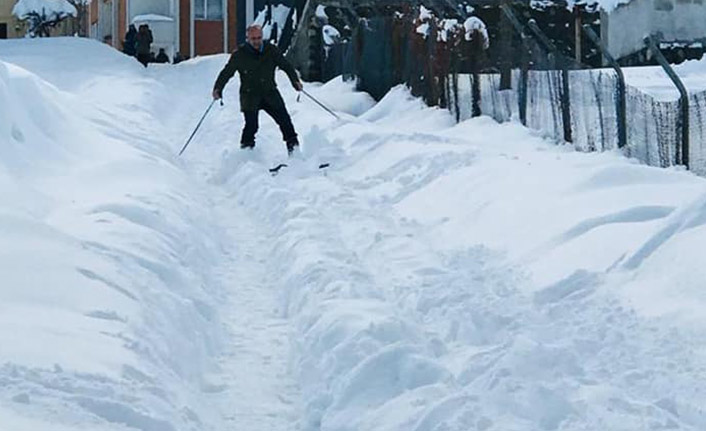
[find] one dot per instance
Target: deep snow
(436, 277)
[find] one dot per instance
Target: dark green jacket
(257, 75)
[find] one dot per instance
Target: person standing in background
(144, 41)
(130, 41)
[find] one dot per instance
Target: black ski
(274, 171)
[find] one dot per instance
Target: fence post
(622, 93)
(564, 96)
(650, 41)
(524, 70)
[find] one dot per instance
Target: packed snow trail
(260, 392)
(437, 277)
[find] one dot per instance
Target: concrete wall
(625, 28)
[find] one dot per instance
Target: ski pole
(320, 104)
(198, 126)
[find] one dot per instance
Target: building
(9, 26)
(679, 25)
(190, 27)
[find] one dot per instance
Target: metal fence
(591, 109)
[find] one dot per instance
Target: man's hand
(298, 86)
(217, 94)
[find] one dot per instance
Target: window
(208, 9)
(3, 30)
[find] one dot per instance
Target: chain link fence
(444, 62)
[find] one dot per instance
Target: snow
(605, 5)
(152, 17)
(654, 81)
(51, 7)
(425, 14)
(437, 276)
(423, 29)
(280, 13)
(331, 34)
(321, 12)
(474, 25)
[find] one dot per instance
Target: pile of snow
(106, 321)
(58, 8)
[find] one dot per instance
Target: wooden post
(506, 54)
(578, 25)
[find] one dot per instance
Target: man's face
(255, 37)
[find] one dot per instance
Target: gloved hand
(217, 95)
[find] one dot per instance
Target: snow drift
(101, 317)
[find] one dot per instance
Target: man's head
(255, 36)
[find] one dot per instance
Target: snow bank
(105, 321)
(474, 276)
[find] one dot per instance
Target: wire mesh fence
(444, 63)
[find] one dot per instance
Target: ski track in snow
(408, 287)
(256, 378)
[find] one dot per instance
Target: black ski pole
(198, 126)
(321, 104)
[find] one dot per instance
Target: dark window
(208, 9)
(3, 30)
(664, 5)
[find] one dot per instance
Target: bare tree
(80, 24)
(42, 17)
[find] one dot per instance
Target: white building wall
(624, 29)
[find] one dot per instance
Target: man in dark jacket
(256, 61)
(143, 42)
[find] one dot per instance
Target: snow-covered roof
(50, 7)
(280, 13)
(606, 5)
(152, 17)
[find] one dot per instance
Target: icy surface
(437, 276)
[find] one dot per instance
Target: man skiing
(256, 61)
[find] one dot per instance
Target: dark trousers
(278, 113)
(144, 58)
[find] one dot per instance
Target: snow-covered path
(436, 277)
(258, 389)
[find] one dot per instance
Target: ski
(274, 171)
